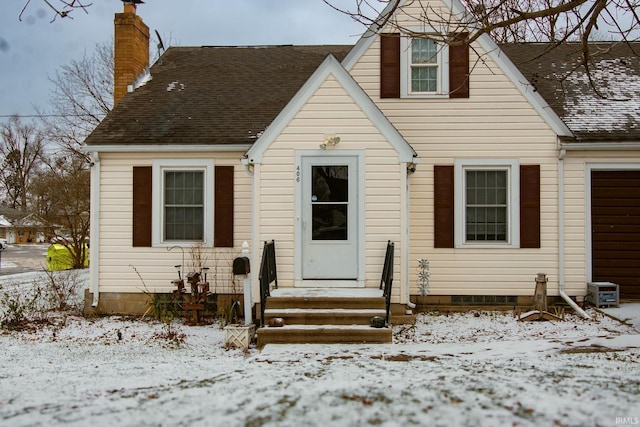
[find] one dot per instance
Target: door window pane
(329, 202)
(330, 184)
(329, 222)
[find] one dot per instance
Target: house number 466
(298, 173)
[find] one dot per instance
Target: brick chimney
(131, 45)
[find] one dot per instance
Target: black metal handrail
(268, 275)
(386, 281)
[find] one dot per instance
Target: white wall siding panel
(331, 111)
(577, 208)
(155, 266)
(496, 122)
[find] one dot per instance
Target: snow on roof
(4, 222)
(616, 105)
(601, 104)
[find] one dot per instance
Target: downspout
(561, 246)
(254, 247)
(94, 253)
(411, 168)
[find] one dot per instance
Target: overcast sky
(33, 49)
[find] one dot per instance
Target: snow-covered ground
(478, 368)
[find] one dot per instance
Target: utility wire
(32, 116)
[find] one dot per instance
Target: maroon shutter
(459, 66)
(142, 206)
(223, 215)
(529, 206)
(443, 206)
(390, 66)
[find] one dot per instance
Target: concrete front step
(323, 334)
(324, 315)
(344, 303)
(320, 316)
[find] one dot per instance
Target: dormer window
(421, 67)
(425, 70)
(424, 66)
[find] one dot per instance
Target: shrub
(22, 304)
(64, 290)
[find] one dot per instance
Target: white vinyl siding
(577, 209)
(331, 111)
(496, 122)
(123, 268)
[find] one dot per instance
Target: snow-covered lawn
(479, 369)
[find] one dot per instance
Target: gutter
(561, 245)
(607, 146)
(94, 253)
(166, 148)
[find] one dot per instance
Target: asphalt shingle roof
(609, 114)
(229, 95)
(212, 95)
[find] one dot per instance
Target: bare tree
(59, 8)
(553, 21)
(511, 20)
(81, 98)
(21, 148)
(62, 200)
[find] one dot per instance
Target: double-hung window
(424, 66)
(183, 211)
(487, 209)
(424, 69)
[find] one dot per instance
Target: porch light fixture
(330, 141)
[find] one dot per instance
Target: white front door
(330, 219)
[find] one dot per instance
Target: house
(18, 228)
(470, 158)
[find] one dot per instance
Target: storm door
(330, 217)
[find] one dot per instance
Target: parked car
(3, 244)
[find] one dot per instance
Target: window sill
(487, 246)
(424, 96)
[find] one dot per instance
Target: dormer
(424, 65)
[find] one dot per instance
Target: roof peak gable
(488, 45)
(331, 66)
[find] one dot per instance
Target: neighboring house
(5, 227)
(18, 227)
(469, 158)
(28, 229)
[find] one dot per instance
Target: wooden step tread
(326, 303)
(355, 293)
(324, 334)
(322, 327)
(328, 311)
(323, 316)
